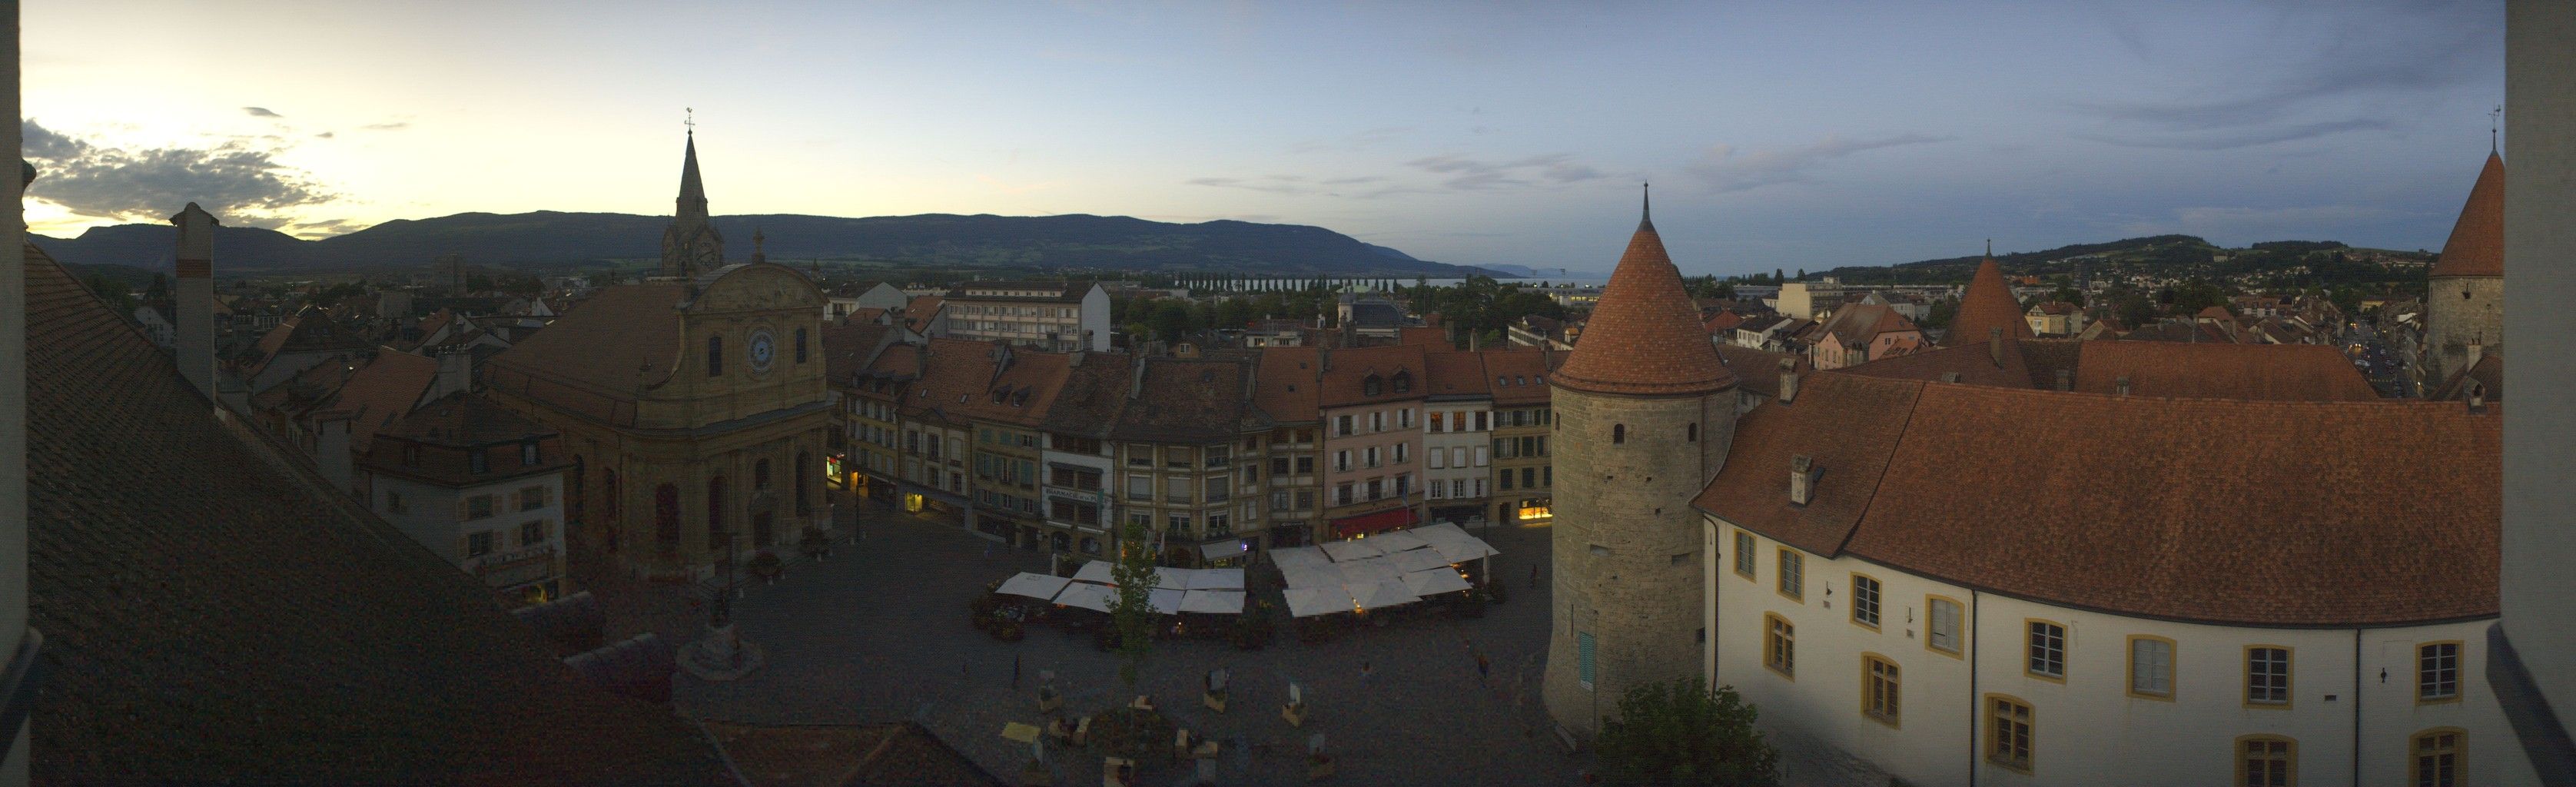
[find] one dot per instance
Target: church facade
(693, 404)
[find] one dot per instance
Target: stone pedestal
(720, 656)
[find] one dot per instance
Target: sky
(1777, 135)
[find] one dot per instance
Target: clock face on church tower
(764, 348)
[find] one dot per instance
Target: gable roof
(1291, 382)
(2266, 372)
(920, 312)
(1192, 400)
(2476, 246)
(2224, 511)
(1987, 305)
(1644, 336)
(1457, 374)
(1520, 375)
(1345, 378)
(289, 637)
(1759, 370)
(381, 393)
(1861, 323)
(1094, 391)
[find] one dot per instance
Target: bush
(1680, 733)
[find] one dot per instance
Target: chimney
(1995, 345)
(2477, 397)
(1788, 380)
(2476, 351)
(2123, 385)
(1802, 479)
(196, 297)
(1949, 377)
(455, 374)
(2065, 379)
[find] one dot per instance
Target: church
(693, 404)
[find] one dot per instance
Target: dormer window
(528, 453)
(1403, 382)
(1371, 386)
(478, 461)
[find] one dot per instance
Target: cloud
(239, 182)
(1723, 168)
(1466, 174)
(2322, 69)
(1275, 184)
(384, 126)
(261, 112)
(323, 135)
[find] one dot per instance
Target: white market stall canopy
(1095, 571)
(1299, 556)
(1301, 575)
(1454, 544)
(1412, 560)
(1394, 541)
(1087, 596)
(1435, 581)
(1215, 579)
(1218, 602)
(1164, 601)
(1224, 550)
(1346, 551)
(1307, 602)
(1037, 586)
(1361, 573)
(1383, 593)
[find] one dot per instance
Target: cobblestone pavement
(879, 632)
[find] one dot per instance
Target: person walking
(1365, 672)
(1484, 670)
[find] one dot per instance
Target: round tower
(1644, 412)
(2464, 306)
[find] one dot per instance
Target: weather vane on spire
(692, 122)
(2495, 120)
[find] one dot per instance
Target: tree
(1132, 610)
(1680, 733)
(1170, 319)
(113, 291)
(160, 287)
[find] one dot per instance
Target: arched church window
(715, 355)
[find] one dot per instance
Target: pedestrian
(988, 551)
(1015, 672)
(1533, 576)
(1484, 670)
(1365, 672)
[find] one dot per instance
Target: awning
(1224, 550)
(1389, 519)
(1217, 579)
(1219, 602)
(1394, 541)
(1163, 601)
(1311, 601)
(1434, 582)
(1347, 551)
(1086, 596)
(1037, 586)
(1385, 593)
(1357, 574)
(1095, 571)
(1412, 560)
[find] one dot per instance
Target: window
(528, 453)
(2047, 650)
(1404, 418)
(1341, 461)
(716, 513)
(532, 498)
(1864, 601)
(1402, 450)
(1439, 422)
(532, 533)
(1691, 433)
(2008, 732)
(1793, 580)
(1342, 495)
(1305, 465)
(800, 345)
(2267, 676)
(1140, 487)
(666, 517)
(1371, 455)
(1943, 632)
(1504, 479)
(1342, 425)
(1437, 459)
(2151, 667)
(2435, 758)
(715, 355)
(478, 460)
(1744, 554)
(1618, 432)
(1780, 646)
(2266, 761)
(2437, 672)
(1878, 692)
(478, 506)
(478, 544)
(1377, 420)
(393, 502)
(1278, 465)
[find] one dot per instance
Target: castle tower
(2464, 307)
(691, 246)
(1985, 307)
(1644, 414)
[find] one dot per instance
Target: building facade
(1524, 475)
(480, 486)
(1050, 316)
(1371, 402)
(1457, 464)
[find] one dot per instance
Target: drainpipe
(1976, 703)
(2356, 708)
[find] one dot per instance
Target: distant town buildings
(1049, 316)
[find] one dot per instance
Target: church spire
(691, 246)
(1646, 214)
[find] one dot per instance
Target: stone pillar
(195, 289)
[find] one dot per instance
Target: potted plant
(767, 566)
(1008, 630)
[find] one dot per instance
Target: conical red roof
(1987, 305)
(1644, 337)
(2476, 247)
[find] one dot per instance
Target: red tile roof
(1520, 376)
(290, 638)
(1722, 322)
(1759, 370)
(1347, 371)
(921, 311)
(1291, 378)
(1644, 336)
(603, 353)
(2266, 372)
(2222, 511)
(1458, 373)
(1431, 336)
(2476, 247)
(381, 393)
(1988, 304)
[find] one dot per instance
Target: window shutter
(1583, 658)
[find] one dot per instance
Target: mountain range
(549, 238)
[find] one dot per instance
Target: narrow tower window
(1618, 434)
(715, 355)
(1691, 433)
